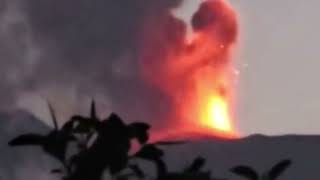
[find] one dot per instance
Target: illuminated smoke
(196, 72)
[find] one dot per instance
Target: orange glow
(217, 115)
(196, 71)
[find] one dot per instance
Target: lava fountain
(195, 71)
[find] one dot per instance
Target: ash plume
(114, 51)
(72, 51)
(193, 72)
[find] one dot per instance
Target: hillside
(22, 163)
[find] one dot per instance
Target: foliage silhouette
(246, 171)
(193, 171)
(272, 174)
(110, 149)
(105, 144)
(152, 153)
(196, 166)
(102, 145)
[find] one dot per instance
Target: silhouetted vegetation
(272, 174)
(104, 145)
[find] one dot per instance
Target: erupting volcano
(195, 71)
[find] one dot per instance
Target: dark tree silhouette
(271, 174)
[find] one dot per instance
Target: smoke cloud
(72, 51)
(111, 50)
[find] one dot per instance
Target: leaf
(245, 171)
(56, 171)
(93, 113)
(80, 124)
(53, 116)
(68, 126)
(149, 152)
(196, 165)
(112, 125)
(114, 119)
(137, 170)
(27, 139)
(139, 130)
(117, 164)
(56, 144)
(279, 168)
(83, 128)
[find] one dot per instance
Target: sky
(279, 60)
(277, 56)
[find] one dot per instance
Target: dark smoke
(77, 49)
(211, 15)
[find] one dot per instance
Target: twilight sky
(277, 58)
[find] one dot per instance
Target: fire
(217, 115)
(195, 72)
